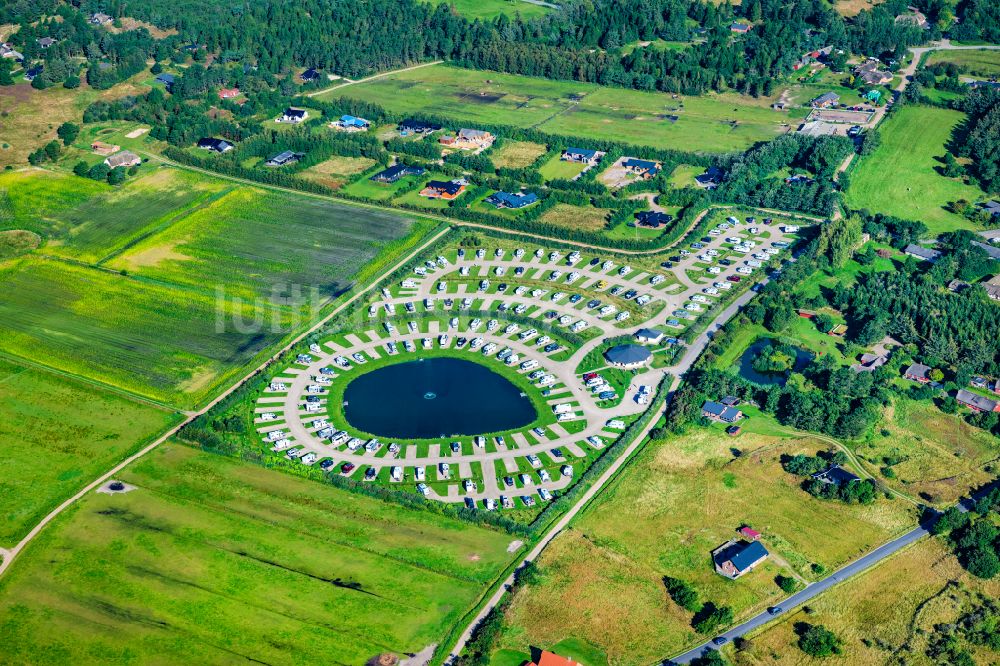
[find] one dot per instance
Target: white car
(743, 270)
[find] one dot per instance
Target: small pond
(744, 366)
(435, 397)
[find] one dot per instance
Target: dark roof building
(918, 372)
(395, 172)
(737, 558)
(652, 219)
(309, 75)
(710, 179)
(648, 335)
(991, 250)
(836, 475)
(579, 155)
(976, 402)
(512, 200)
(720, 412)
(826, 99)
(646, 168)
(741, 28)
(166, 79)
(412, 126)
(628, 356)
(46, 42)
(291, 115)
(992, 207)
(283, 158)
(213, 144)
(922, 253)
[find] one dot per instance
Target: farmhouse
(551, 659)
(976, 402)
(291, 115)
(645, 169)
(214, 145)
(735, 558)
(105, 149)
(652, 219)
(710, 179)
(512, 200)
(870, 73)
(229, 93)
(581, 155)
(628, 356)
(918, 372)
(395, 172)
(469, 139)
(440, 189)
(720, 412)
(648, 336)
(283, 158)
(125, 158)
(45, 42)
(836, 475)
(826, 100)
(411, 126)
(352, 124)
(309, 75)
(921, 253)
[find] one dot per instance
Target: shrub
(818, 641)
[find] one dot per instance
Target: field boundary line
(373, 77)
(111, 388)
(12, 553)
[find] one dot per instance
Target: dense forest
(980, 140)
(582, 40)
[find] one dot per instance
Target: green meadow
(211, 560)
(490, 9)
(709, 123)
(56, 436)
(148, 318)
(901, 177)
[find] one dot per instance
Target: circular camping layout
(495, 375)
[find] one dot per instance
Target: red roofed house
(228, 93)
(551, 659)
(750, 533)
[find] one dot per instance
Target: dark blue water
(435, 397)
(744, 366)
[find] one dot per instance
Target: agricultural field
(211, 560)
(710, 123)
(901, 177)
(977, 63)
(490, 9)
(58, 434)
(684, 497)
(891, 609)
(258, 244)
(516, 154)
(854, 7)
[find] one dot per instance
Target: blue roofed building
(720, 412)
(735, 558)
(581, 155)
(646, 169)
(352, 123)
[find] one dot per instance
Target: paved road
(813, 590)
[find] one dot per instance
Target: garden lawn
(900, 177)
(517, 154)
(709, 123)
(58, 434)
(212, 560)
(683, 498)
(569, 216)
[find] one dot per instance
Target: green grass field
(57, 435)
(977, 63)
(156, 324)
(215, 561)
(255, 244)
(900, 179)
(490, 9)
(684, 497)
(710, 123)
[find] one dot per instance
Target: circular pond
(435, 397)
